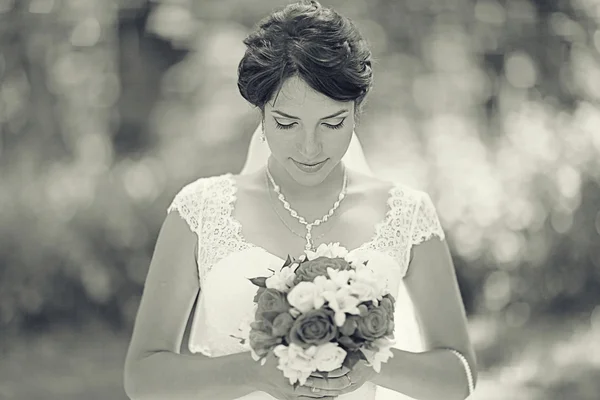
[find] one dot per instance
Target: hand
(342, 380)
(267, 378)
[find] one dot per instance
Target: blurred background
(109, 107)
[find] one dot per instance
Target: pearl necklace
(302, 220)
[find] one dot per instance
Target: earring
(262, 136)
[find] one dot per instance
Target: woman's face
(308, 133)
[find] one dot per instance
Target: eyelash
(338, 126)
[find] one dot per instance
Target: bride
(305, 183)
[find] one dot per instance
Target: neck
(294, 191)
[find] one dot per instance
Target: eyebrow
(327, 117)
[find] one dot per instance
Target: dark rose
(389, 303)
(262, 325)
(261, 342)
(313, 328)
(374, 324)
(259, 293)
(390, 329)
(271, 303)
(309, 270)
(282, 324)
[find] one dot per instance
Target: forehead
(296, 95)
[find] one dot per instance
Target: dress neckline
(392, 192)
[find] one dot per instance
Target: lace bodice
(226, 259)
(207, 206)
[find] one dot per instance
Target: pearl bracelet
(467, 368)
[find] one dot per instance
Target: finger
(308, 393)
(330, 383)
(336, 393)
(323, 393)
(336, 373)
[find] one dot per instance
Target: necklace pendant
(294, 214)
(308, 245)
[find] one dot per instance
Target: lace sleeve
(188, 203)
(426, 223)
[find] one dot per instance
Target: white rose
(296, 351)
(304, 296)
(282, 280)
(296, 363)
(329, 357)
(302, 362)
(331, 250)
(294, 375)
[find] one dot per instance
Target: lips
(311, 164)
(309, 168)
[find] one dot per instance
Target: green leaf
(351, 359)
(349, 326)
(348, 343)
(363, 309)
(361, 355)
(260, 281)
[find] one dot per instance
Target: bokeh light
(108, 107)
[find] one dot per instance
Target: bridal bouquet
(322, 312)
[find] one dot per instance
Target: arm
(153, 367)
(437, 373)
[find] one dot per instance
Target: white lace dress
(226, 260)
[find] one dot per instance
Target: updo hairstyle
(315, 43)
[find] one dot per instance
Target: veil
(259, 152)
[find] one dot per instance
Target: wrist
(387, 372)
(249, 374)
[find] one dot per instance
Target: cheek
(338, 142)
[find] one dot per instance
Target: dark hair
(312, 42)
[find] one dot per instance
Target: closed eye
(279, 125)
(337, 126)
(283, 126)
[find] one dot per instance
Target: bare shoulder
(368, 187)
(253, 184)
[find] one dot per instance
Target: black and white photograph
(299, 199)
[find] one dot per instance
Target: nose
(309, 145)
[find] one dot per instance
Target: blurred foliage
(108, 107)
